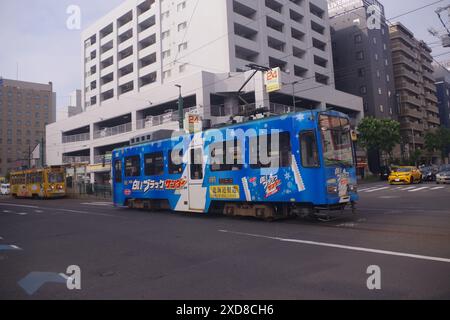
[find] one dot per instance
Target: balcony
(76, 138)
(113, 131)
(431, 97)
(411, 112)
(404, 85)
(412, 126)
(403, 72)
(402, 59)
(433, 119)
(153, 121)
(411, 100)
(432, 108)
(399, 46)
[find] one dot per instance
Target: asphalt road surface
(131, 254)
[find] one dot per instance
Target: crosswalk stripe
(409, 188)
(378, 189)
(21, 213)
(437, 188)
(365, 189)
(419, 189)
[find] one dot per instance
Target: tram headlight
(352, 188)
(332, 189)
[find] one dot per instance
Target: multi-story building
(415, 87)
(25, 109)
(135, 55)
(362, 56)
(442, 77)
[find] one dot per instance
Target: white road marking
(85, 212)
(419, 189)
(437, 188)
(17, 205)
(378, 189)
(21, 213)
(365, 189)
(6, 211)
(97, 204)
(38, 211)
(409, 188)
(345, 247)
(1, 238)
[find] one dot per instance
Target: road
(131, 254)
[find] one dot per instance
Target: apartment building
(442, 77)
(25, 109)
(134, 57)
(362, 56)
(415, 86)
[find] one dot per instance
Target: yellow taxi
(405, 175)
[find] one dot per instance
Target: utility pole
(180, 108)
(293, 96)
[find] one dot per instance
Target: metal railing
(76, 159)
(102, 158)
(76, 138)
(113, 131)
(153, 121)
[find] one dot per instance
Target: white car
(5, 189)
(443, 177)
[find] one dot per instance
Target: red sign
(127, 192)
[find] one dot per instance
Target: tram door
(195, 180)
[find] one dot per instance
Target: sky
(34, 36)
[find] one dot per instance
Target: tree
(380, 135)
(438, 140)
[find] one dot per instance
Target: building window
(360, 55)
(363, 89)
(183, 46)
(182, 68)
(374, 40)
(166, 54)
(182, 26)
(381, 108)
(165, 34)
(358, 38)
(379, 91)
(167, 74)
(376, 56)
(388, 78)
(165, 15)
(181, 6)
(361, 72)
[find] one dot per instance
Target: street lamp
(180, 108)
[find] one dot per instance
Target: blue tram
(294, 164)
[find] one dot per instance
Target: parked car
(5, 189)
(443, 177)
(405, 175)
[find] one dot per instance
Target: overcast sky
(33, 34)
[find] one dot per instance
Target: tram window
(175, 161)
(118, 171)
(278, 158)
(132, 166)
(226, 156)
(154, 164)
(309, 152)
(196, 166)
